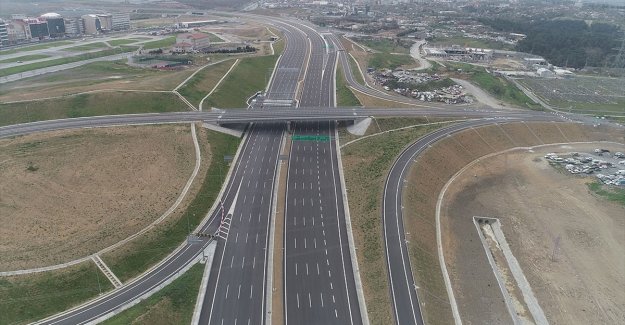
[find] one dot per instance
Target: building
(4, 33)
(191, 42)
(74, 26)
(120, 21)
(106, 21)
(56, 24)
(19, 31)
(91, 24)
(192, 24)
(38, 28)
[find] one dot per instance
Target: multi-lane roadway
(319, 284)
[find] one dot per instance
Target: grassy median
(174, 304)
(203, 82)
(71, 59)
(148, 249)
(27, 298)
(344, 95)
(249, 76)
(89, 105)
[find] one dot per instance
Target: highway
(237, 285)
(319, 287)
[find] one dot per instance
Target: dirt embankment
(67, 194)
(475, 287)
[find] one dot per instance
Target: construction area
(535, 207)
(93, 188)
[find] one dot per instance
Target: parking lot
(608, 167)
(580, 92)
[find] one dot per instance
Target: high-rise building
(4, 33)
(38, 28)
(56, 24)
(120, 21)
(74, 26)
(106, 21)
(19, 30)
(91, 24)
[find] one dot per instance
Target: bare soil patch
(570, 243)
(427, 178)
(86, 190)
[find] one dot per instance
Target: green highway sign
(320, 138)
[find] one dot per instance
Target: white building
(18, 30)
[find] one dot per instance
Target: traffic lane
(246, 241)
(314, 242)
(403, 289)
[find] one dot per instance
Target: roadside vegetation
(27, 298)
(356, 70)
(366, 166)
(173, 304)
(24, 58)
(470, 42)
(384, 45)
(93, 104)
(203, 82)
(613, 194)
(344, 95)
(86, 47)
(118, 42)
(71, 59)
(249, 76)
(35, 47)
(388, 61)
(165, 42)
(138, 255)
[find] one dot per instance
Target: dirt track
(540, 209)
(86, 189)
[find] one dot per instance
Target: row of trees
(565, 42)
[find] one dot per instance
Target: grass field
(165, 42)
(498, 87)
(366, 166)
(356, 71)
(204, 81)
(214, 38)
(26, 58)
(344, 95)
(248, 77)
(138, 255)
(46, 45)
(89, 105)
(614, 194)
(388, 61)
(29, 298)
(86, 47)
(88, 169)
(117, 42)
(384, 45)
(50, 63)
(173, 304)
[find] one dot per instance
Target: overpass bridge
(236, 116)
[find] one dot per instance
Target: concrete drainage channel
(515, 288)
